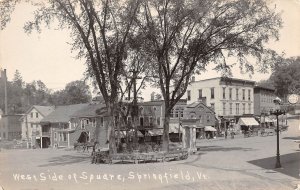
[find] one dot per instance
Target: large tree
(185, 36)
(286, 77)
(99, 30)
(75, 92)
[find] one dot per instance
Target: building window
(64, 137)
(181, 112)
(158, 120)
(212, 93)
(208, 118)
(188, 95)
(37, 115)
(244, 108)
(31, 115)
(55, 136)
(249, 108)
(224, 108)
(230, 108)
(172, 113)
(230, 93)
(94, 122)
(237, 94)
(212, 105)
(84, 123)
(237, 108)
(176, 112)
(249, 94)
(243, 94)
(200, 94)
(141, 121)
(224, 94)
(129, 120)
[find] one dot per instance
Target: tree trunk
(165, 145)
(111, 127)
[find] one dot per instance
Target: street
(239, 163)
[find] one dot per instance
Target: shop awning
(268, 120)
(66, 130)
(131, 133)
(247, 121)
(155, 132)
(209, 128)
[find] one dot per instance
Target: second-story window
(249, 108)
(208, 118)
(37, 115)
(212, 93)
(237, 94)
(249, 94)
(188, 95)
(176, 112)
(172, 113)
(230, 108)
(237, 108)
(243, 94)
(244, 108)
(31, 114)
(224, 92)
(224, 108)
(200, 93)
(230, 93)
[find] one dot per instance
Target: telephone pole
(134, 113)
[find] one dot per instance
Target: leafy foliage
(286, 77)
(185, 36)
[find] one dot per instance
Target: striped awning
(248, 121)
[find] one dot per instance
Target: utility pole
(5, 92)
(134, 113)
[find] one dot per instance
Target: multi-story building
(263, 100)
(31, 127)
(228, 97)
(57, 126)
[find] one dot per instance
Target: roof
(247, 121)
(195, 104)
(264, 87)
(88, 111)
(62, 114)
(225, 79)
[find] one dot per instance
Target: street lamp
(277, 112)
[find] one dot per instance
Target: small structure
(189, 138)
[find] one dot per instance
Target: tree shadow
(66, 160)
(290, 164)
(220, 148)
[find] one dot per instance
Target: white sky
(47, 56)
